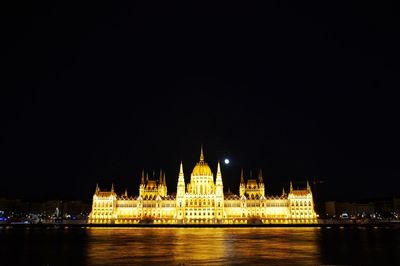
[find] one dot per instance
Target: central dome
(201, 168)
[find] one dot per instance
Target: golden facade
(203, 201)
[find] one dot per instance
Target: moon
(226, 161)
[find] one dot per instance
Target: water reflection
(203, 246)
(199, 246)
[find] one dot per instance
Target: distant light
(226, 161)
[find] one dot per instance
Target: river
(200, 246)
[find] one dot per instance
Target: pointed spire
(219, 175)
(201, 154)
(181, 169)
(97, 187)
(180, 190)
(161, 177)
(112, 187)
(283, 191)
(260, 177)
(147, 176)
(218, 180)
(142, 181)
(308, 186)
(241, 177)
(164, 182)
(291, 186)
(126, 193)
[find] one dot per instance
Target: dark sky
(95, 92)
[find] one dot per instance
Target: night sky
(95, 93)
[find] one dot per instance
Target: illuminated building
(202, 201)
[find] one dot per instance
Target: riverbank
(393, 224)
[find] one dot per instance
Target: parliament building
(202, 201)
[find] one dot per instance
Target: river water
(199, 246)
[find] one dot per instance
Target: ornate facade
(202, 201)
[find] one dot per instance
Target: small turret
(160, 182)
(283, 191)
(112, 187)
(261, 183)
(291, 186)
(260, 177)
(97, 188)
(308, 186)
(242, 187)
(165, 186)
(142, 185)
(126, 193)
(162, 189)
(241, 177)
(142, 181)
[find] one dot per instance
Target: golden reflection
(203, 246)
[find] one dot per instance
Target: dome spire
(201, 154)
